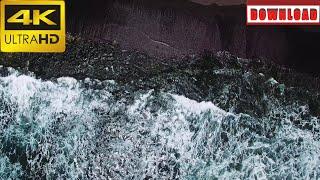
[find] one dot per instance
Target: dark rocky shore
(201, 77)
(176, 28)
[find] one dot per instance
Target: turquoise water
(69, 129)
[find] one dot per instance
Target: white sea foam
(63, 130)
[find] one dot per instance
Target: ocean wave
(71, 129)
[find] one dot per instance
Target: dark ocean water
(70, 129)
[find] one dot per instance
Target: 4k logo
(26, 17)
(32, 26)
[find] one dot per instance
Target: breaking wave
(69, 129)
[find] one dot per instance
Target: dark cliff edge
(177, 28)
